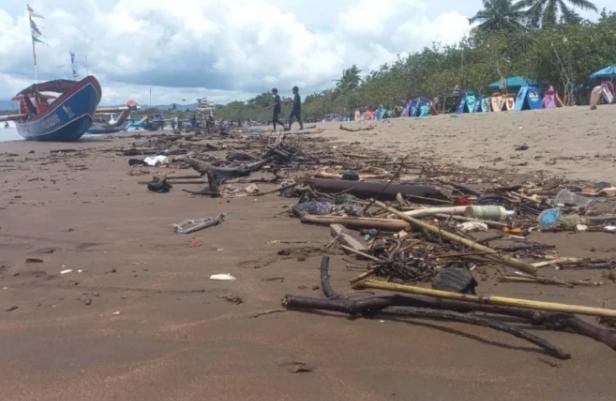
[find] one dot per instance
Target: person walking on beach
(296, 112)
(277, 109)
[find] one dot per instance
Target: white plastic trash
(222, 277)
(470, 226)
(154, 161)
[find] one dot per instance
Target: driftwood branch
(407, 311)
(347, 129)
(376, 306)
(506, 259)
(218, 175)
(380, 190)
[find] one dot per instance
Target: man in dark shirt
(277, 109)
(296, 112)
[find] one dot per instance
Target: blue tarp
(528, 98)
(607, 72)
(484, 104)
(515, 83)
(468, 103)
(418, 107)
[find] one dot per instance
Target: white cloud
(225, 49)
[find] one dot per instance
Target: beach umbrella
(515, 82)
(607, 72)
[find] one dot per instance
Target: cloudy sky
(220, 49)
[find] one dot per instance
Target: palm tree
(350, 79)
(499, 15)
(549, 12)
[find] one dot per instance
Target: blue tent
(418, 107)
(607, 72)
(515, 82)
(528, 98)
(484, 105)
(468, 103)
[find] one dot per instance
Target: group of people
(371, 113)
(296, 111)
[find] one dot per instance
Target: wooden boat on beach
(59, 110)
(110, 125)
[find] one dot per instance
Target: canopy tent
(514, 82)
(605, 73)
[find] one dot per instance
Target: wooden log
(369, 128)
(358, 222)
(347, 238)
(379, 189)
(489, 299)
(506, 259)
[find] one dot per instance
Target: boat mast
(73, 68)
(34, 61)
(36, 37)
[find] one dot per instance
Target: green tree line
(544, 40)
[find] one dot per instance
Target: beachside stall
(507, 90)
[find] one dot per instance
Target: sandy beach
(573, 142)
(101, 300)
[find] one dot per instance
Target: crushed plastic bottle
(551, 219)
(568, 198)
(548, 219)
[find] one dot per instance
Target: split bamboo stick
(488, 299)
(357, 222)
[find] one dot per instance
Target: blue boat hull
(68, 118)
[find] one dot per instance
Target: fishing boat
(107, 124)
(59, 110)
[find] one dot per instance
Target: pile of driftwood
(426, 234)
(423, 242)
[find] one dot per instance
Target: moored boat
(107, 124)
(59, 110)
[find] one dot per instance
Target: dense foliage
(563, 55)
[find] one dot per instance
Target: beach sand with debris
(572, 142)
(101, 300)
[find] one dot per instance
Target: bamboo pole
(508, 260)
(488, 299)
(357, 222)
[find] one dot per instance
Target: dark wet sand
(156, 327)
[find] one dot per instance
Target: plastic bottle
(488, 212)
(568, 198)
(554, 218)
